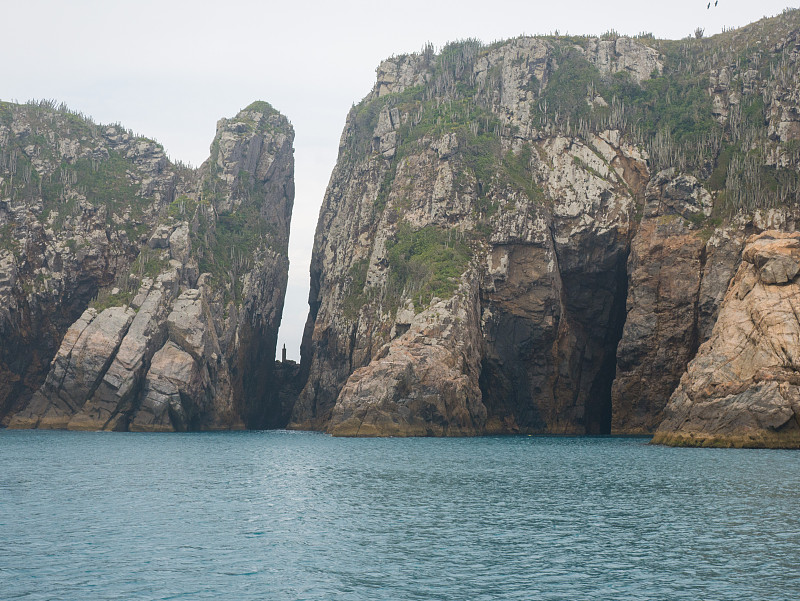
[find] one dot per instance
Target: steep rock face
(75, 200)
(77, 370)
(599, 190)
(623, 55)
(399, 341)
(742, 389)
(250, 179)
(423, 382)
(661, 329)
(204, 294)
(681, 261)
(120, 380)
(553, 309)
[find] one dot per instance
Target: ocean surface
(289, 515)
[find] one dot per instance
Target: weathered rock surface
(601, 252)
(661, 328)
(194, 350)
(529, 349)
(553, 308)
(743, 388)
(172, 372)
(90, 345)
(532, 236)
(107, 407)
(421, 383)
(626, 56)
(62, 235)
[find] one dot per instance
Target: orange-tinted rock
(743, 387)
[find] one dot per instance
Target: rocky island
(538, 235)
(139, 294)
(551, 234)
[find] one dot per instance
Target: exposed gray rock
(180, 246)
(85, 354)
(660, 336)
(225, 321)
(109, 405)
(598, 280)
(160, 238)
(423, 382)
(171, 372)
(372, 368)
(65, 241)
(624, 55)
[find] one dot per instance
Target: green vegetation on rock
(104, 300)
(425, 263)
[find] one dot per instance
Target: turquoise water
(284, 515)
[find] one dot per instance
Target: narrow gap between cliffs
(598, 405)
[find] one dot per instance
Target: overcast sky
(169, 69)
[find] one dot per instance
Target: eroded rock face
(62, 237)
(526, 347)
(661, 333)
(602, 251)
(90, 345)
(624, 55)
(184, 350)
(421, 383)
(554, 307)
(173, 375)
(742, 389)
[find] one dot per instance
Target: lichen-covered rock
(624, 55)
(424, 382)
(665, 269)
(109, 405)
(75, 200)
(742, 389)
(598, 191)
(543, 228)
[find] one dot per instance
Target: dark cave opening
(598, 407)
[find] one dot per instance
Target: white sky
(168, 69)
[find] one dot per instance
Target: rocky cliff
(536, 236)
(743, 387)
(144, 295)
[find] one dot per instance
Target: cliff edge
(743, 389)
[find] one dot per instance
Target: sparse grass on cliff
(425, 263)
(357, 296)
(225, 245)
(149, 263)
(102, 176)
(672, 115)
(8, 241)
(105, 300)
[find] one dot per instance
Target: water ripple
(280, 515)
